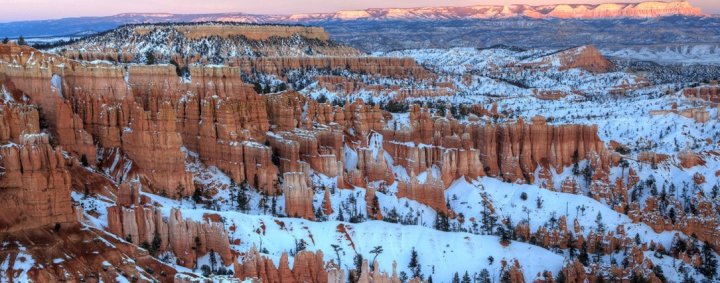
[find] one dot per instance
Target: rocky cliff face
(138, 222)
(34, 181)
(34, 184)
(74, 254)
(512, 151)
(648, 9)
(154, 147)
(587, 58)
(307, 267)
(708, 92)
(298, 196)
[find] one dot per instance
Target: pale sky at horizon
(17, 10)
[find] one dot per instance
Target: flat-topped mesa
(183, 44)
(650, 9)
(251, 32)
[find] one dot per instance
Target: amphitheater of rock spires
(233, 152)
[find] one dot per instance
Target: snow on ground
(444, 252)
(20, 265)
(501, 71)
(669, 54)
(628, 120)
(506, 198)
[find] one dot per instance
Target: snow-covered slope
(669, 54)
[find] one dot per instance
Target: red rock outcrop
(707, 92)
(511, 151)
(587, 58)
(377, 276)
(77, 253)
(154, 147)
(431, 192)
(298, 196)
(307, 267)
(16, 120)
(187, 239)
(34, 185)
(28, 72)
(689, 159)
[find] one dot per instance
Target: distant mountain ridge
(650, 9)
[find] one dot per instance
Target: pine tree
(658, 273)
(442, 222)
(21, 41)
(156, 243)
(403, 277)
(583, 256)
(414, 265)
(485, 276)
(466, 278)
(377, 250)
(560, 278)
(505, 277)
(5, 40)
(337, 250)
(355, 274)
(340, 216)
(213, 260)
(456, 278)
(571, 246)
(300, 246)
(150, 57)
(197, 195)
(709, 263)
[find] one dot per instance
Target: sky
(15, 10)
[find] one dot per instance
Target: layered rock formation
(77, 254)
(431, 192)
(155, 149)
(511, 151)
(187, 43)
(34, 185)
(298, 196)
(707, 92)
(587, 58)
(307, 267)
(140, 224)
(34, 180)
